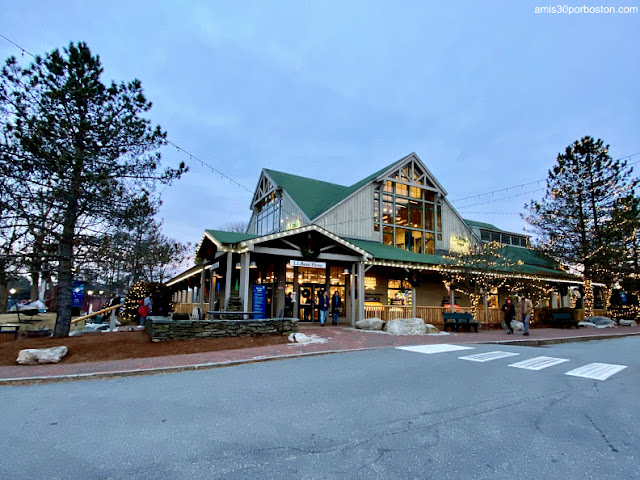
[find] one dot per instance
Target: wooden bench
(455, 320)
(562, 319)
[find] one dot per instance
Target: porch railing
(432, 315)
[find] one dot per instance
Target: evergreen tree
(84, 146)
(577, 221)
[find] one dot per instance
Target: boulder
(516, 325)
(431, 328)
(406, 326)
(299, 338)
(370, 324)
(35, 356)
(627, 323)
(601, 322)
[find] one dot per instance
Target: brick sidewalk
(338, 339)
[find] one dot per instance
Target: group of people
(324, 305)
(520, 311)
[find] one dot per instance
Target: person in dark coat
(336, 303)
(323, 306)
(509, 313)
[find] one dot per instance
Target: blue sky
(486, 93)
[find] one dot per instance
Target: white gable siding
(353, 218)
(452, 226)
(291, 213)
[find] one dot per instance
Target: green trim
(473, 223)
(230, 237)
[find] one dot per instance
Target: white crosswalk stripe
(429, 349)
(596, 371)
(487, 357)
(538, 363)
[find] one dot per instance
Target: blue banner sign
(77, 294)
(259, 300)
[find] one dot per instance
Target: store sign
(214, 266)
(303, 263)
(77, 294)
(259, 302)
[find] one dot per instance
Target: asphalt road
(383, 414)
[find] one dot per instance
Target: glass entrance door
(307, 307)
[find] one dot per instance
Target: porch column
(352, 293)
(485, 301)
(282, 283)
(201, 292)
(413, 302)
(360, 290)
(244, 280)
(212, 290)
(452, 299)
(227, 280)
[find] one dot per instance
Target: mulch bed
(97, 347)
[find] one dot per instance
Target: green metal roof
(230, 237)
(381, 251)
(315, 197)
(473, 223)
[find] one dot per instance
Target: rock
(586, 324)
(299, 338)
(431, 328)
(406, 326)
(601, 322)
(627, 323)
(370, 324)
(516, 325)
(34, 356)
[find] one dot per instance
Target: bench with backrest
(455, 320)
(562, 319)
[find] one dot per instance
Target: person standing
(113, 317)
(287, 305)
(144, 309)
(336, 303)
(509, 314)
(323, 306)
(524, 309)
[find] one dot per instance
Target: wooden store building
(367, 241)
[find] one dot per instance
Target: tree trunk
(65, 274)
(4, 290)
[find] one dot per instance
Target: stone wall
(163, 328)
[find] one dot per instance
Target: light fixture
(13, 291)
(346, 271)
(90, 292)
(253, 265)
(238, 266)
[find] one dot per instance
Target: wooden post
(227, 280)
(360, 290)
(244, 280)
(352, 288)
(413, 302)
(452, 299)
(486, 308)
(201, 293)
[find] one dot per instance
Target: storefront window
(399, 293)
(387, 235)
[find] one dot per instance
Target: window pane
(388, 187)
(415, 214)
(403, 237)
(387, 235)
(506, 239)
(429, 220)
(485, 236)
(439, 217)
(387, 212)
(416, 240)
(495, 237)
(427, 195)
(415, 192)
(376, 211)
(429, 244)
(402, 189)
(402, 211)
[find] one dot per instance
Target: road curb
(537, 342)
(158, 370)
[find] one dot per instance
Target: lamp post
(13, 292)
(90, 294)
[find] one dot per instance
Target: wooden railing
(432, 315)
(188, 307)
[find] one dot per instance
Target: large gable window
(267, 205)
(406, 211)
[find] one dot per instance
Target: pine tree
(576, 222)
(84, 146)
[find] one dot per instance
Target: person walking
(323, 306)
(524, 309)
(509, 314)
(287, 305)
(336, 303)
(144, 309)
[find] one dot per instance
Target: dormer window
(267, 205)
